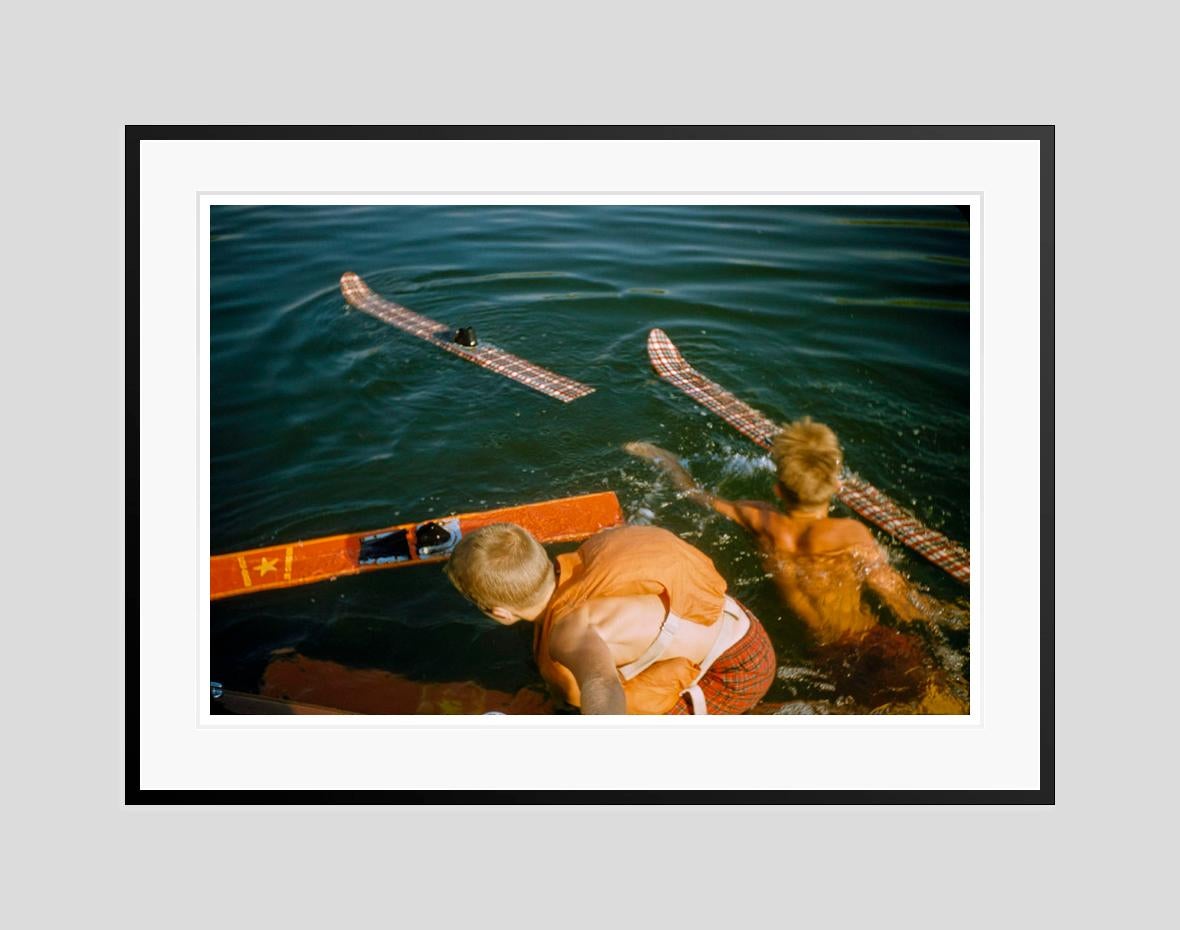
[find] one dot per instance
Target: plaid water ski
(856, 494)
(358, 294)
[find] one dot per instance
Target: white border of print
(997, 747)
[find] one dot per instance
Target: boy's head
(809, 462)
(503, 571)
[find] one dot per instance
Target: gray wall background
(74, 76)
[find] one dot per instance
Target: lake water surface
(325, 420)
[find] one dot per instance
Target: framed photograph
(591, 465)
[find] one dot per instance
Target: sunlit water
(325, 420)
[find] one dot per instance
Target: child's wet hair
(809, 461)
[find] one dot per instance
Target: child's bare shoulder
(759, 507)
(836, 534)
(758, 516)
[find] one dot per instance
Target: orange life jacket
(629, 561)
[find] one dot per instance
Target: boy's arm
(576, 645)
(899, 595)
(754, 516)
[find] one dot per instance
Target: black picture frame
(135, 794)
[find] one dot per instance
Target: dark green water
(325, 420)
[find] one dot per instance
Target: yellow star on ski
(266, 565)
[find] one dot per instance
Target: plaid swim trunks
(740, 677)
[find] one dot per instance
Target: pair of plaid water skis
(857, 494)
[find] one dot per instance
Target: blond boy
(635, 621)
(821, 564)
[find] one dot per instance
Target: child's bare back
(819, 565)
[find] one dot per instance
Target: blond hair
(500, 565)
(809, 461)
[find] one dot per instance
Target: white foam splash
(800, 674)
(742, 464)
(804, 708)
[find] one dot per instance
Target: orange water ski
(241, 702)
(294, 684)
(285, 565)
(306, 682)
